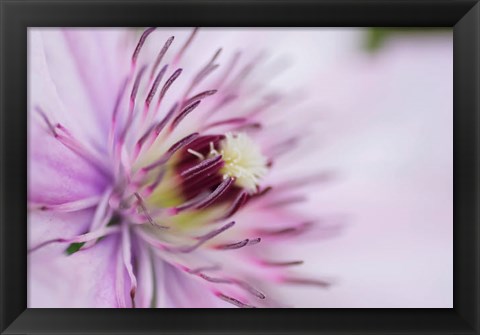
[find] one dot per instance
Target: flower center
(243, 160)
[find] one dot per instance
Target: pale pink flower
(391, 133)
(155, 175)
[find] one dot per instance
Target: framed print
(239, 167)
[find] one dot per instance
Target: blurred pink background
(388, 137)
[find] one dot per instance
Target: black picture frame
(17, 15)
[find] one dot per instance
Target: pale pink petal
(48, 225)
(87, 69)
(83, 279)
(178, 289)
(57, 175)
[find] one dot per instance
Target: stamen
(77, 147)
(187, 110)
(219, 191)
(204, 268)
(113, 125)
(306, 281)
(205, 71)
(152, 92)
(248, 127)
(282, 264)
(119, 149)
(238, 245)
(201, 144)
(215, 280)
(47, 121)
(118, 100)
(200, 96)
(71, 206)
(229, 69)
(183, 142)
(239, 201)
(231, 246)
(204, 238)
(153, 300)
(243, 161)
(101, 210)
(241, 76)
(285, 202)
(160, 55)
(268, 101)
(141, 141)
(293, 230)
(101, 215)
(153, 132)
(200, 77)
(174, 148)
(185, 46)
(205, 182)
(142, 205)
(120, 280)
(197, 187)
(155, 84)
(186, 205)
(251, 289)
(254, 241)
(237, 120)
(166, 86)
(233, 301)
(80, 238)
(133, 95)
(216, 232)
(261, 193)
(196, 154)
(225, 100)
(127, 261)
(213, 151)
(149, 190)
(140, 44)
(99, 222)
(152, 241)
(283, 147)
(203, 167)
(66, 138)
(163, 123)
(136, 84)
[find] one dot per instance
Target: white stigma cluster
(243, 160)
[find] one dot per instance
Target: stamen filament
(185, 46)
(160, 55)
(217, 193)
(187, 110)
(127, 261)
(204, 238)
(233, 301)
(80, 238)
(139, 46)
(71, 206)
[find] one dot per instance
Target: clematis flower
(162, 174)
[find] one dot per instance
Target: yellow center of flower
(243, 160)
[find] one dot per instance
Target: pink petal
(177, 289)
(83, 279)
(57, 175)
(47, 225)
(85, 69)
